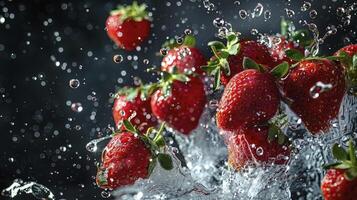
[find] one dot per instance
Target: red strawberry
(314, 106)
(184, 57)
(180, 102)
(251, 146)
(340, 181)
(129, 156)
(129, 26)
(349, 62)
(278, 49)
(250, 98)
(228, 60)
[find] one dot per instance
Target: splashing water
(319, 88)
(19, 187)
(92, 146)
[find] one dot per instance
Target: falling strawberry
(228, 59)
(128, 26)
(254, 146)
(250, 98)
(348, 59)
(185, 57)
(130, 103)
(340, 181)
(179, 101)
(131, 155)
(315, 88)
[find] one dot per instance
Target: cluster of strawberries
(257, 81)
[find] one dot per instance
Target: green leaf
(231, 38)
(280, 70)
(294, 54)
(166, 90)
(250, 64)
(302, 37)
(333, 58)
(152, 165)
(209, 68)
(189, 41)
(284, 25)
(330, 166)
(351, 174)
(181, 77)
(233, 50)
(165, 161)
(159, 140)
(354, 62)
(272, 133)
(343, 165)
(129, 126)
(224, 54)
(339, 153)
(217, 45)
(352, 152)
(217, 79)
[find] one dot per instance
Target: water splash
(92, 146)
(319, 88)
(19, 187)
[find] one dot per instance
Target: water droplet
(340, 11)
(305, 6)
(218, 22)
(319, 88)
(74, 83)
(213, 104)
(254, 31)
(77, 107)
(118, 58)
(92, 146)
(313, 14)
(259, 151)
(163, 51)
(179, 40)
(188, 32)
(105, 194)
(237, 3)
(258, 10)
(289, 13)
(146, 61)
(19, 187)
(243, 14)
(267, 14)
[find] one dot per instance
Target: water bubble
(267, 14)
(258, 10)
(305, 6)
(163, 51)
(118, 58)
(254, 31)
(105, 194)
(319, 88)
(289, 13)
(188, 32)
(92, 146)
(340, 11)
(77, 107)
(259, 151)
(146, 61)
(218, 22)
(237, 3)
(74, 83)
(213, 104)
(243, 14)
(313, 14)
(179, 40)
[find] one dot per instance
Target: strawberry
(340, 181)
(315, 88)
(253, 146)
(130, 104)
(228, 59)
(250, 98)
(348, 60)
(129, 26)
(179, 101)
(131, 155)
(184, 57)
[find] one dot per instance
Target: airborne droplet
(118, 58)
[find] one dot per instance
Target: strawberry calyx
(350, 63)
(221, 53)
(154, 140)
(300, 36)
(134, 12)
(131, 93)
(346, 160)
(166, 81)
(279, 71)
(188, 40)
(276, 125)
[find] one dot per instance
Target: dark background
(42, 139)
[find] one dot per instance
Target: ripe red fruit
(129, 26)
(184, 58)
(135, 108)
(251, 146)
(351, 49)
(301, 84)
(278, 49)
(125, 160)
(340, 181)
(349, 62)
(250, 98)
(182, 108)
(251, 49)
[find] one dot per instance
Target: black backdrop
(42, 139)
